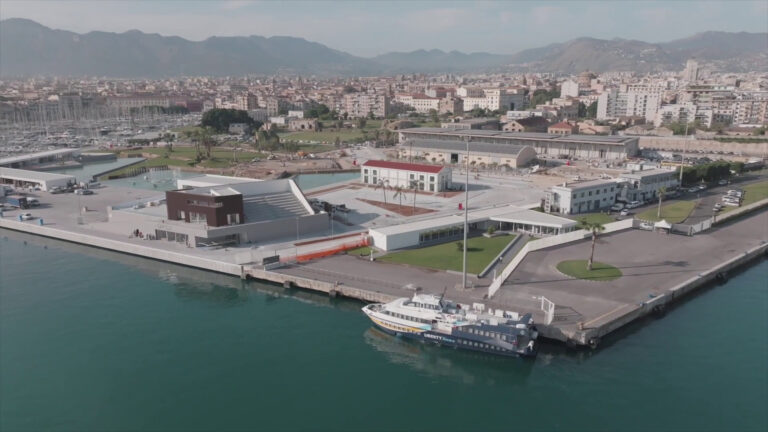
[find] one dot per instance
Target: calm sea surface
(94, 340)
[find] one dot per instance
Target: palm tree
(662, 191)
(383, 185)
(415, 187)
(399, 192)
(594, 228)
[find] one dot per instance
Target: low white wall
(546, 242)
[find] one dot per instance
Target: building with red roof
(563, 128)
(390, 174)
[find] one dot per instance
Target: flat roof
(541, 136)
(505, 213)
(434, 169)
(42, 154)
(214, 180)
(650, 172)
(474, 147)
(29, 175)
(587, 183)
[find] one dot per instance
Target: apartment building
(359, 105)
(419, 102)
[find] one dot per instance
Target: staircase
(282, 205)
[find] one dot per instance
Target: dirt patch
(402, 210)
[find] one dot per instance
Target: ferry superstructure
(431, 318)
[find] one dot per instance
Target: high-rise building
(691, 72)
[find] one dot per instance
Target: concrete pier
(658, 269)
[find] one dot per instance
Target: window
(432, 179)
(590, 193)
(365, 171)
(233, 219)
(582, 194)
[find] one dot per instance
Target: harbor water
(96, 340)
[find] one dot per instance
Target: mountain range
(28, 48)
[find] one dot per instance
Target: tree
(460, 246)
(268, 140)
(433, 116)
(337, 142)
(399, 192)
(542, 96)
(592, 110)
(219, 119)
(582, 112)
(169, 138)
(383, 184)
(361, 122)
(415, 187)
(662, 191)
(594, 228)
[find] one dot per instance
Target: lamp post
(466, 219)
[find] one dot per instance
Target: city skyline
(409, 26)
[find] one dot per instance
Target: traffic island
(578, 269)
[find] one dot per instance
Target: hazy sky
(375, 27)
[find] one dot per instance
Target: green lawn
(325, 136)
(315, 148)
(752, 193)
(185, 128)
(578, 269)
(361, 251)
(755, 192)
(676, 212)
(447, 256)
(594, 217)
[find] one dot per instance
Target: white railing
(549, 309)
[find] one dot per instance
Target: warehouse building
(39, 158)
(437, 140)
(26, 178)
(431, 178)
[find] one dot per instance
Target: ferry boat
(431, 318)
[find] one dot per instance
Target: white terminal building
(431, 178)
(451, 227)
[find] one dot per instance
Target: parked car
(732, 203)
(617, 207)
(56, 190)
(26, 216)
(83, 192)
(723, 182)
(624, 212)
(646, 226)
(693, 190)
(634, 204)
(33, 202)
(702, 186)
